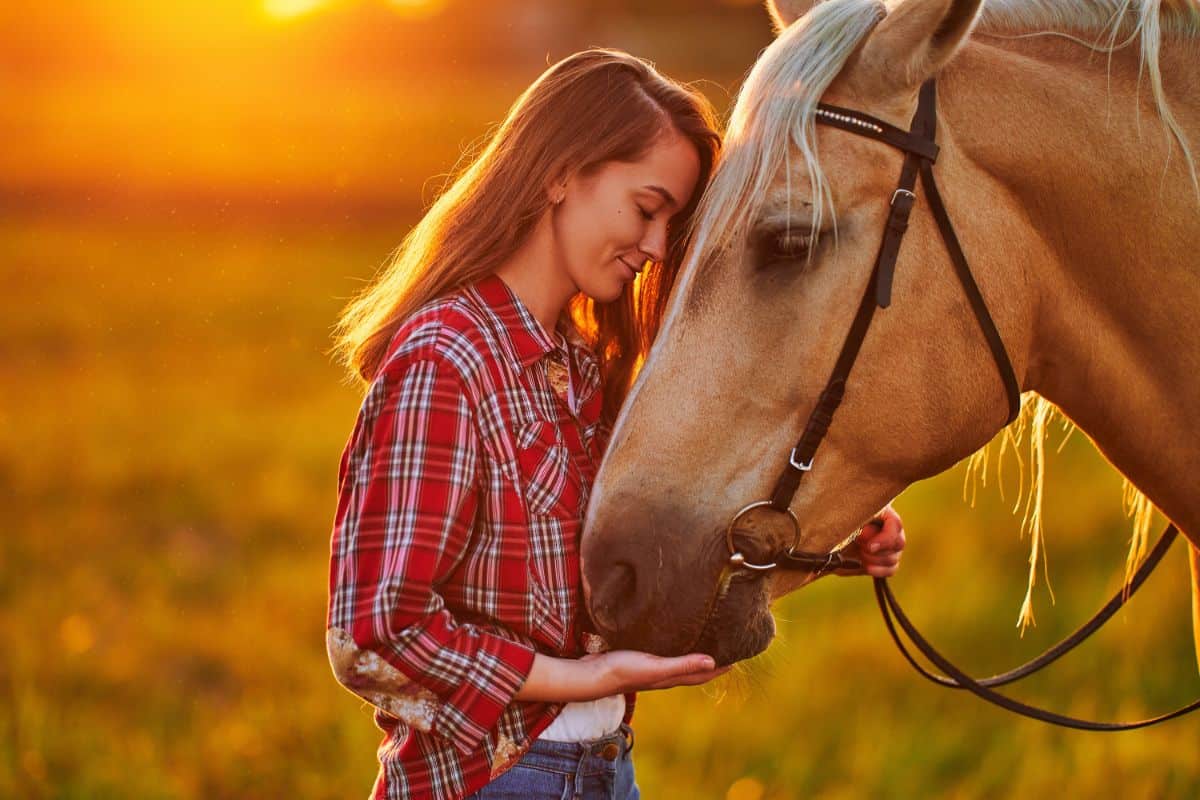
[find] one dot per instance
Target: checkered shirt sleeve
(407, 501)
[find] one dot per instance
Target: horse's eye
(784, 246)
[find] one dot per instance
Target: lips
(633, 271)
(741, 626)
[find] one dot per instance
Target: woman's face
(613, 220)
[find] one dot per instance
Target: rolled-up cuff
(470, 711)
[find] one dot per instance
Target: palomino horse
(1066, 172)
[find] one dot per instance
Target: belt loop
(628, 731)
(577, 793)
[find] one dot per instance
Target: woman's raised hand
(878, 545)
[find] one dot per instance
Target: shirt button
(610, 751)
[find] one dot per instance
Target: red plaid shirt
(454, 554)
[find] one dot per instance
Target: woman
(497, 347)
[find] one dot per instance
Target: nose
(620, 593)
(654, 244)
(647, 577)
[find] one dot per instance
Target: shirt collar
(522, 337)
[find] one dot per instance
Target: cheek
(626, 226)
(598, 231)
(613, 217)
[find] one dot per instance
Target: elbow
(366, 674)
(344, 656)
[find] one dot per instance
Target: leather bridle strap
(958, 679)
(995, 343)
(920, 151)
(890, 605)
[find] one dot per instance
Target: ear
(556, 189)
(912, 43)
(785, 12)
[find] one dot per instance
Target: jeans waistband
(592, 756)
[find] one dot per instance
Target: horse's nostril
(615, 601)
(624, 578)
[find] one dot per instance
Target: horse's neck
(1114, 233)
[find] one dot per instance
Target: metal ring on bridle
(736, 558)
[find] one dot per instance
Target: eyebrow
(670, 198)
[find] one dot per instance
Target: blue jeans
(599, 769)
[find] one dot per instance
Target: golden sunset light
(290, 9)
(220, 576)
(417, 8)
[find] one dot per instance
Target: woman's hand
(564, 680)
(635, 671)
(878, 545)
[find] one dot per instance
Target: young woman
(497, 348)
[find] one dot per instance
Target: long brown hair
(595, 106)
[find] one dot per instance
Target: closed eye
(784, 246)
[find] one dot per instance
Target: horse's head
(783, 251)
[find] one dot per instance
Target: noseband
(920, 153)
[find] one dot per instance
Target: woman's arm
(407, 501)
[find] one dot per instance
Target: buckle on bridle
(803, 467)
(911, 196)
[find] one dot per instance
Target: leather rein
(920, 153)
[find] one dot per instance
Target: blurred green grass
(169, 440)
(169, 436)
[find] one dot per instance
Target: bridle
(920, 152)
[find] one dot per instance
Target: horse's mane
(1180, 17)
(775, 107)
(773, 119)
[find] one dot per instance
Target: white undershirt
(579, 722)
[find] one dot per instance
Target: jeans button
(610, 751)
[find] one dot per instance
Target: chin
(608, 294)
(602, 289)
(741, 626)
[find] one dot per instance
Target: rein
(920, 153)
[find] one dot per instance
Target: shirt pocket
(550, 481)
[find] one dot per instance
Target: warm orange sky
(277, 102)
(290, 9)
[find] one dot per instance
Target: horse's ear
(915, 40)
(785, 12)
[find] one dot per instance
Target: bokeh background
(189, 191)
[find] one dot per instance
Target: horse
(1064, 130)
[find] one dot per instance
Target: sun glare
(288, 9)
(417, 8)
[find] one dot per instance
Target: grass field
(175, 243)
(169, 442)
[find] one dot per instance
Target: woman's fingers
(636, 670)
(882, 535)
(639, 671)
(879, 545)
(692, 679)
(882, 568)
